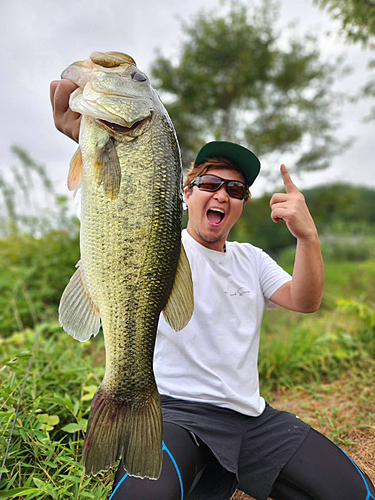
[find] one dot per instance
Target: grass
(45, 453)
(320, 366)
(300, 349)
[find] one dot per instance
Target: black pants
(319, 470)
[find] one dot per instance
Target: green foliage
(34, 275)
(39, 246)
(340, 337)
(344, 248)
(357, 17)
(349, 280)
(45, 452)
(235, 80)
(28, 201)
(343, 208)
(310, 351)
(366, 315)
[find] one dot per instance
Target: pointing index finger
(288, 183)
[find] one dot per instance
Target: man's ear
(187, 192)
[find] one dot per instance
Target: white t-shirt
(214, 359)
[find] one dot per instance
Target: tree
(239, 79)
(28, 201)
(357, 18)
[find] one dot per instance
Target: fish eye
(139, 77)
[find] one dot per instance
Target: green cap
(245, 160)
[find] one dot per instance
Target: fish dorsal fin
(78, 314)
(107, 167)
(75, 171)
(180, 305)
(111, 59)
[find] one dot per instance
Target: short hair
(203, 168)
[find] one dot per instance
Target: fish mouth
(125, 130)
(215, 216)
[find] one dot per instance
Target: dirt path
(344, 411)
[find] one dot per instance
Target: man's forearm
(308, 275)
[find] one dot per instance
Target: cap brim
(245, 160)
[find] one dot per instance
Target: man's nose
(221, 194)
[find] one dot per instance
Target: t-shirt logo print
(240, 291)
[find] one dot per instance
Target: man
(219, 433)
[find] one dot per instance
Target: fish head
(113, 91)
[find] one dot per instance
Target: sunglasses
(208, 182)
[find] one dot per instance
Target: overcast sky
(39, 39)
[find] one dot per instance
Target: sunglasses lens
(236, 190)
(209, 183)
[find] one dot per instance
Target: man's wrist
(311, 238)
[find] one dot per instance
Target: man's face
(212, 215)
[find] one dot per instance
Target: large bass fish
(132, 265)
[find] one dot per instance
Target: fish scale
(132, 264)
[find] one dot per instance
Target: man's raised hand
(290, 207)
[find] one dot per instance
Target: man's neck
(217, 246)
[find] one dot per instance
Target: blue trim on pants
(369, 496)
(176, 467)
(118, 485)
(164, 448)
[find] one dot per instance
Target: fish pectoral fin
(180, 304)
(78, 314)
(75, 171)
(107, 167)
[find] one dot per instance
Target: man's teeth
(217, 210)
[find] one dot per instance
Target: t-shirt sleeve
(271, 277)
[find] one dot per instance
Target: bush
(35, 273)
(366, 315)
(303, 349)
(344, 248)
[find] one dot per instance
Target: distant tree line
(338, 209)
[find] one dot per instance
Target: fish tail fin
(133, 432)
(143, 455)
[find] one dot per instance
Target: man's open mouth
(121, 128)
(215, 216)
